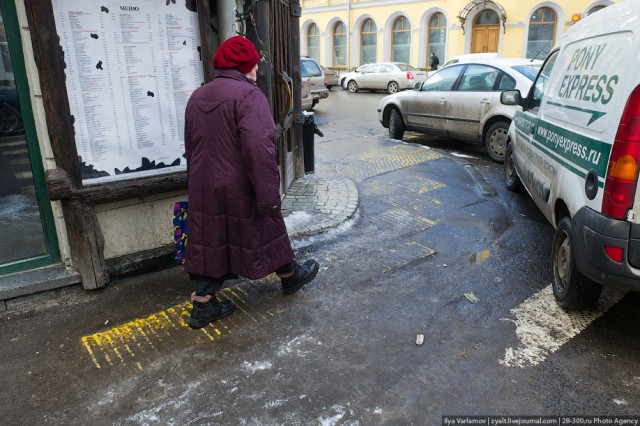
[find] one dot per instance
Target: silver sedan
(389, 76)
(461, 101)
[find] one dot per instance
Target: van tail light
(622, 175)
(409, 75)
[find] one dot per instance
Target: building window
(401, 41)
(437, 36)
(313, 42)
(339, 44)
(542, 30)
(369, 39)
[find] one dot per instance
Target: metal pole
(226, 19)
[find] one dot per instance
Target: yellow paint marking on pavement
(85, 342)
(127, 344)
(479, 257)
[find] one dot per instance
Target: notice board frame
(66, 180)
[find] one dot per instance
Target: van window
(540, 85)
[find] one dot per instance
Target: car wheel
(511, 178)
(572, 290)
(342, 84)
(352, 86)
(313, 104)
(495, 141)
(392, 87)
(396, 125)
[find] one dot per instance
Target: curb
(316, 204)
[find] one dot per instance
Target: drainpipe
(348, 35)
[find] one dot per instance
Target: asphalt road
(439, 249)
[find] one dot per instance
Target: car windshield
(529, 71)
(310, 69)
(405, 67)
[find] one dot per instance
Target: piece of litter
(444, 264)
(106, 322)
(419, 339)
(471, 297)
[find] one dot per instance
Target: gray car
(310, 69)
(389, 76)
(331, 76)
(461, 101)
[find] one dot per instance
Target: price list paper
(130, 69)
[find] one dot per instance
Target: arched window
(401, 40)
(340, 44)
(595, 9)
(369, 37)
(437, 36)
(542, 30)
(313, 42)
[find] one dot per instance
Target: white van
(575, 147)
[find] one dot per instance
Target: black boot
(203, 313)
(302, 274)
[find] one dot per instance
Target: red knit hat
(236, 52)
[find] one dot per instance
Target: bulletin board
(131, 67)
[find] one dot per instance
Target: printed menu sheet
(130, 69)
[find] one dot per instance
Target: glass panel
(487, 17)
(340, 44)
(369, 42)
(401, 41)
(540, 40)
(313, 42)
(540, 85)
(20, 219)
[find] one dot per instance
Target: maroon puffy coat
(235, 222)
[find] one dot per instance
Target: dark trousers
(208, 285)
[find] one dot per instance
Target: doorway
(485, 36)
(28, 232)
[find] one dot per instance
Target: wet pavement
(402, 233)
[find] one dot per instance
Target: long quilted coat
(235, 222)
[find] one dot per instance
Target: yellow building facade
(344, 34)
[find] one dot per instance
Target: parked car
(574, 147)
(346, 77)
(305, 92)
(461, 101)
(389, 76)
(309, 68)
(331, 76)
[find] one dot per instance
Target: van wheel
(392, 87)
(511, 178)
(352, 86)
(495, 141)
(396, 125)
(572, 290)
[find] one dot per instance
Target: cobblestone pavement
(315, 204)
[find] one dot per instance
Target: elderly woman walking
(236, 227)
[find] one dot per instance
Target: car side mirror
(417, 85)
(510, 97)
